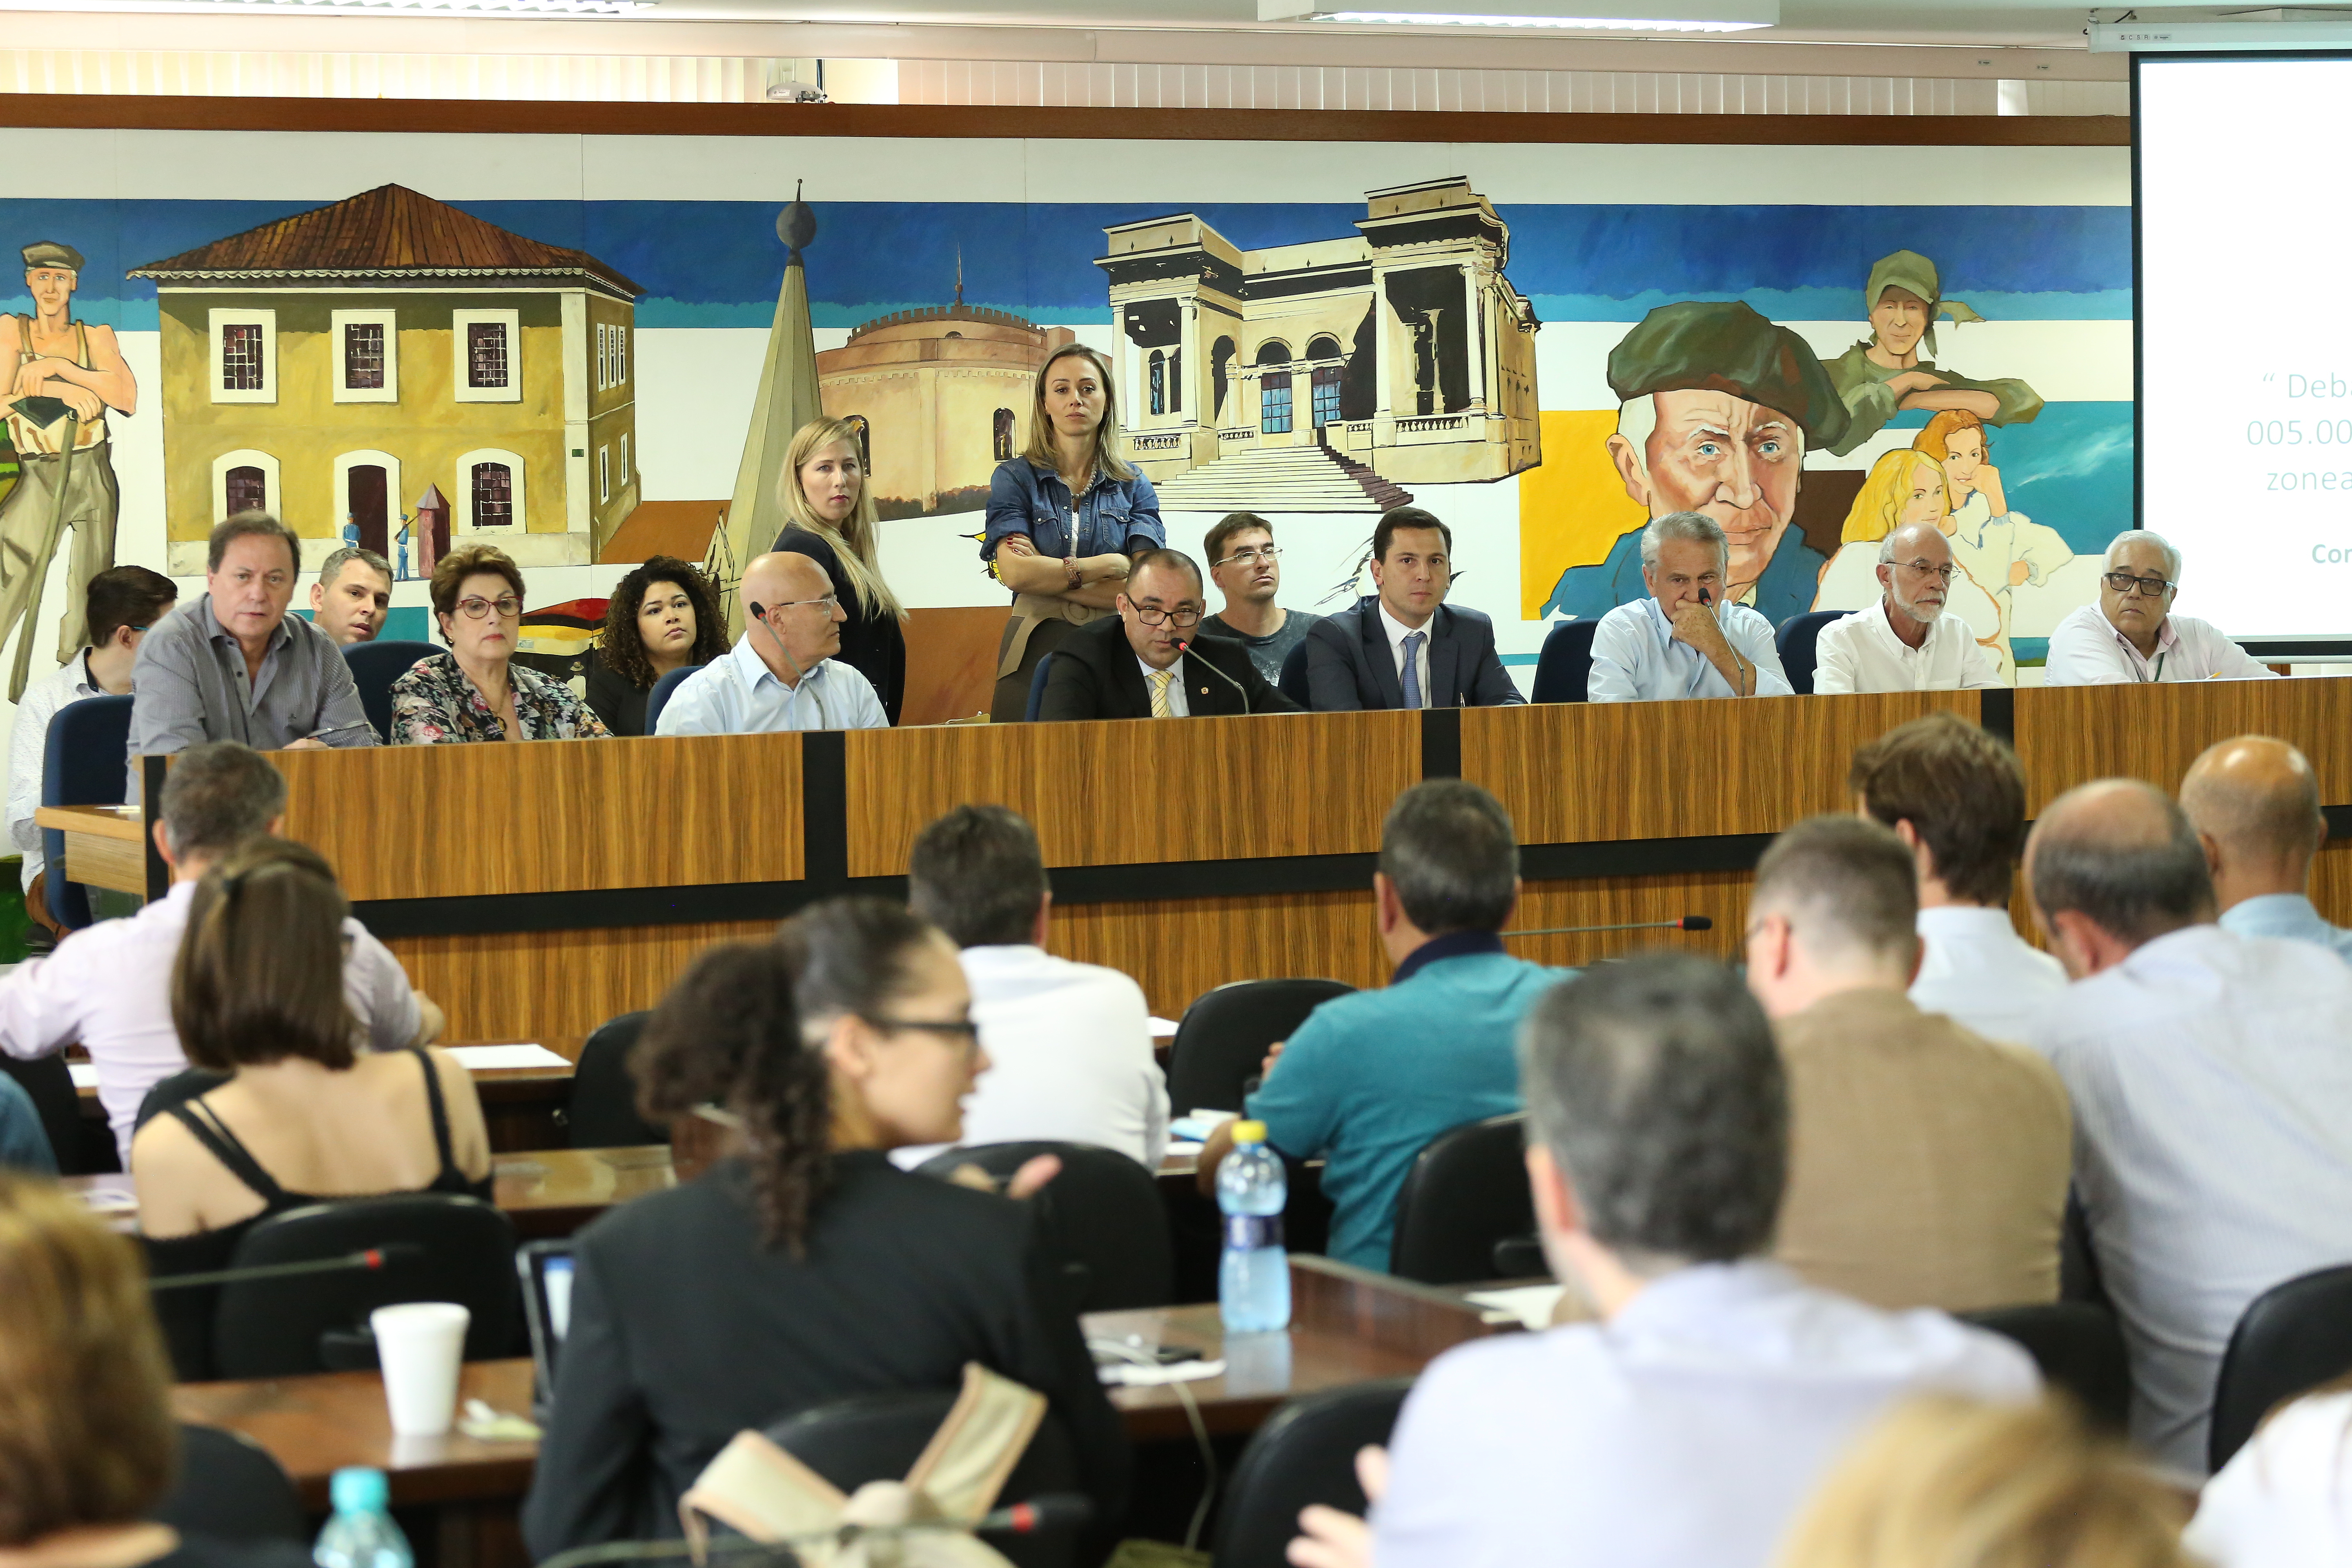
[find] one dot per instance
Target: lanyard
(2158, 672)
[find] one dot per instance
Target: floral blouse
(435, 702)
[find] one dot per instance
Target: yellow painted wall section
(1574, 507)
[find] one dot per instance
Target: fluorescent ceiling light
(369, 7)
(1570, 15)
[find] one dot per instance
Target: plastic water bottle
(361, 1532)
(1254, 1281)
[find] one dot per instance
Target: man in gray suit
(1405, 646)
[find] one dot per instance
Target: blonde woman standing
(831, 507)
(1065, 517)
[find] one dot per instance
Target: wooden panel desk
(106, 845)
(2068, 735)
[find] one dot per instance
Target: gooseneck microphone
(1186, 647)
(1687, 923)
(373, 1260)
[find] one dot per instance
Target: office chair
(1293, 680)
(603, 1110)
(230, 1490)
(1102, 1218)
(1565, 666)
(664, 689)
(2293, 1338)
(1306, 1453)
(2078, 1347)
(1466, 1197)
(1037, 691)
(85, 761)
(1795, 642)
(1221, 1041)
(374, 666)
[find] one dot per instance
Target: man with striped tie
(1152, 661)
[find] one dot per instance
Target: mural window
(604, 356)
(486, 354)
(248, 490)
(493, 493)
(241, 357)
(619, 355)
(366, 348)
(363, 356)
(1159, 382)
(624, 457)
(1002, 437)
(244, 480)
(245, 356)
(1327, 394)
(604, 475)
(488, 346)
(1273, 405)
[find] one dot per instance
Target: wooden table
(106, 845)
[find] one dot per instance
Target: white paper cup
(421, 1345)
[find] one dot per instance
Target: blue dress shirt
(1635, 658)
(739, 695)
(2290, 915)
(1790, 580)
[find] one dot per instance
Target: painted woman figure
(1907, 487)
(2003, 550)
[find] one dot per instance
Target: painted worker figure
(1885, 375)
(50, 354)
(1717, 408)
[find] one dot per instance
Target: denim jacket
(1115, 517)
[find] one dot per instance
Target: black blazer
(1095, 675)
(615, 698)
(686, 1330)
(872, 642)
(1351, 667)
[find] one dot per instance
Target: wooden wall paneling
(1584, 773)
(951, 663)
(1178, 948)
(2068, 735)
(419, 822)
(529, 985)
(1130, 792)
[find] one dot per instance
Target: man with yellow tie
(1152, 661)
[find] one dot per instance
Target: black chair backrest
(1465, 1195)
(318, 1323)
(603, 1112)
(2294, 1338)
(1292, 682)
(1306, 1453)
(187, 1084)
(1102, 1218)
(50, 1084)
(2079, 1348)
(879, 1437)
(374, 666)
(1221, 1043)
(664, 689)
(230, 1490)
(1036, 702)
(1566, 662)
(1795, 644)
(85, 761)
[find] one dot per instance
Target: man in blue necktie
(1405, 646)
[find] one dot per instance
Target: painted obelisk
(787, 400)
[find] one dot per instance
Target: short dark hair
(2132, 888)
(1212, 544)
(1173, 560)
(333, 566)
(1655, 1083)
(978, 875)
(218, 796)
(1396, 517)
(260, 971)
(123, 597)
(250, 525)
(1846, 885)
(450, 572)
(1450, 851)
(1962, 791)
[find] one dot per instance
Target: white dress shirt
(1862, 653)
(1177, 707)
(2290, 915)
(2085, 650)
(1397, 631)
(1685, 1433)
(29, 747)
(2211, 1076)
(110, 987)
(1635, 658)
(739, 695)
(2283, 1500)
(1070, 1051)
(1977, 970)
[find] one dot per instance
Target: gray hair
(2131, 884)
(1450, 851)
(1886, 545)
(1694, 526)
(333, 566)
(1847, 886)
(218, 796)
(1657, 1085)
(2145, 536)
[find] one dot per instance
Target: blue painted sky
(2071, 469)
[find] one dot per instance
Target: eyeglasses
(1924, 569)
(1251, 557)
(963, 1031)
(474, 607)
(2146, 587)
(831, 602)
(1186, 616)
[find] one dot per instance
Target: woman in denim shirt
(1062, 575)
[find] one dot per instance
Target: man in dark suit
(1152, 662)
(1405, 646)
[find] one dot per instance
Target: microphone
(1186, 647)
(1687, 923)
(373, 1260)
(1047, 1511)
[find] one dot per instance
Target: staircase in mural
(1279, 479)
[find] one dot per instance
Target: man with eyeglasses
(781, 674)
(1152, 661)
(1246, 566)
(1907, 641)
(2131, 634)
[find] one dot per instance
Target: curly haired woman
(664, 615)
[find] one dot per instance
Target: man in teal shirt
(1370, 1078)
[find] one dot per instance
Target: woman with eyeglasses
(808, 1269)
(475, 692)
(830, 518)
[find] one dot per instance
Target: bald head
(2119, 854)
(787, 592)
(781, 577)
(2255, 803)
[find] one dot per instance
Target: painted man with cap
(49, 354)
(1885, 375)
(1717, 409)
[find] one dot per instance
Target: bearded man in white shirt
(2131, 634)
(1907, 641)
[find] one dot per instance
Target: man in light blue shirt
(781, 675)
(1685, 639)
(2255, 805)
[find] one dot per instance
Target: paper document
(1164, 1028)
(85, 1074)
(482, 1058)
(1532, 1305)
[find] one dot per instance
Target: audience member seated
(1954, 1483)
(1371, 1076)
(664, 615)
(830, 518)
(23, 1141)
(351, 596)
(122, 603)
(781, 675)
(809, 1269)
(1246, 566)
(1687, 1427)
(110, 987)
(1070, 1044)
(2131, 634)
(90, 1446)
(1928, 1165)
(1686, 639)
(2211, 1076)
(2284, 1500)
(232, 664)
(309, 1114)
(475, 692)
(1404, 645)
(1907, 641)
(2255, 803)
(1954, 793)
(1151, 660)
